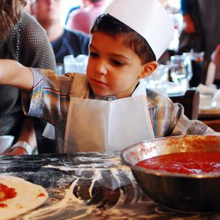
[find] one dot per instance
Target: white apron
(97, 125)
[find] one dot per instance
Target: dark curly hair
(10, 14)
(109, 25)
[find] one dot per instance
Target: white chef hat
(146, 17)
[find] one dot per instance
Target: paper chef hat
(146, 17)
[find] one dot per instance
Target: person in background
(209, 17)
(109, 108)
(64, 42)
(81, 19)
(21, 39)
(215, 57)
(213, 69)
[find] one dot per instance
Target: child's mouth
(97, 82)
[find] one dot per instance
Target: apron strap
(79, 86)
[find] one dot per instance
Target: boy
(109, 109)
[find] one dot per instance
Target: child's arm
(183, 126)
(14, 74)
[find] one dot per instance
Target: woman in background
(24, 40)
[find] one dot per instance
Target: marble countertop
(88, 186)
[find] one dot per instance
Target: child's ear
(148, 69)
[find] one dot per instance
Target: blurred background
(173, 6)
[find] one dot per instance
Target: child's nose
(101, 68)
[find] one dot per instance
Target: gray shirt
(29, 45)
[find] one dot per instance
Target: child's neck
(98, 97)
(105, 98)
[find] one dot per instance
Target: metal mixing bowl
(182, 192)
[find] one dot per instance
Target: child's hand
(8, 68)
(12, 73)
(1, 69)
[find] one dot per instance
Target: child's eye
(117, 63)
(93, 54)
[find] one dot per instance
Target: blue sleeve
(69, 12)
(185, 6)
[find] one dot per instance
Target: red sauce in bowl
(184, 162)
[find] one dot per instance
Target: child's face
(113, 68)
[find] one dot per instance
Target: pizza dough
(28, 197)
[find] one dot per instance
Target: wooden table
(211, 120)
(88, 186)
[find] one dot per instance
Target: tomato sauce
(41, 195)
(3, 205)
(6, 192)
(184, 162)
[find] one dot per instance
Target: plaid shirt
(51, 97)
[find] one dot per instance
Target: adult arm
(35, 51)
(27, 135)
(14, 74)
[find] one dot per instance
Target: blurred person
(64, 42)
(215, 57)
(213, 68)
(201, 24)
(24, 40)
(209, 19)
(81, 19)
(109, 108)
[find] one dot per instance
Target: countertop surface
(88, 186)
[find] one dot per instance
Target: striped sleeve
(49, 98)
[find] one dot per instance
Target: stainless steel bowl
(182, 192)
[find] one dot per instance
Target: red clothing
(81, 19)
